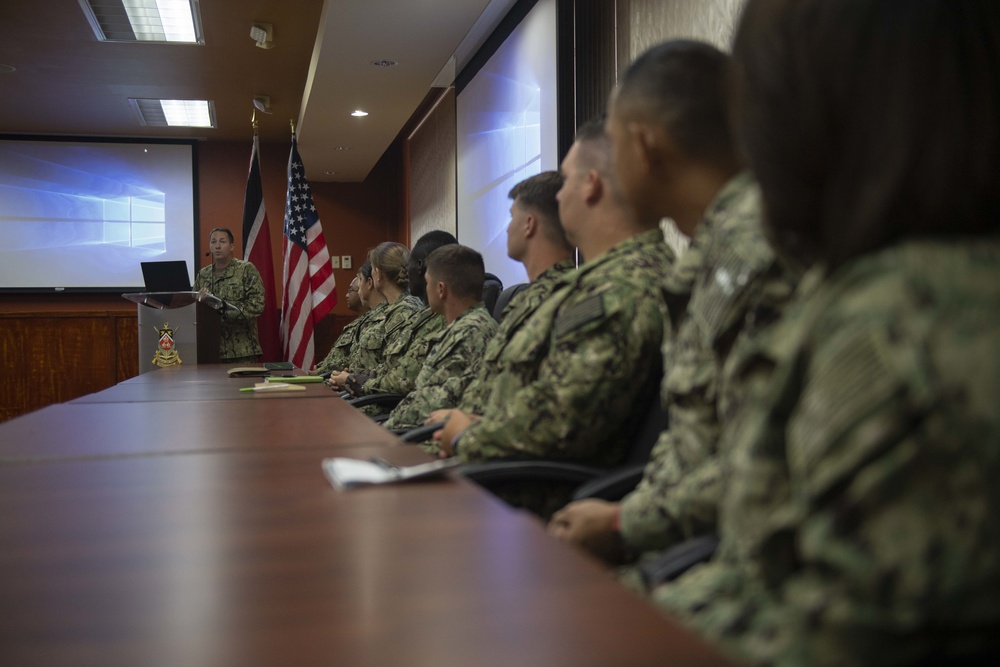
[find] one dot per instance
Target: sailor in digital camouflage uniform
(455, 277)
(406, 354)
(859, 519)
(588, 360)
(337, 358)
(238, 283)
(389, 278)
(535, 238)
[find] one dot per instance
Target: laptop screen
(171, 276)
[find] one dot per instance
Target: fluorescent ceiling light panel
(177, 21)
(187, 113)
(175, 113)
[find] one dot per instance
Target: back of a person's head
(869, 122)
(682, 86)
(538, 194)
(460, 268)
(390, 259)
(424, 246)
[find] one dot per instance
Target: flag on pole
(309, 289)
(257, 251)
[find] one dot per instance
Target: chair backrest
(492, 287)
(647, 432)
(504, 299)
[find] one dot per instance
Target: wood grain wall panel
(126, 347)
(53, 357)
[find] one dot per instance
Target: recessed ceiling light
(358, 113)
(177, 21)
(384, 63)
(175, 113)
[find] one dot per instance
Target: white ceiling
(66, 82)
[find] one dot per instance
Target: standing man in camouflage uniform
(723, 277)
(405, 355)
(337, 358)
(454, 276)
(535, 238)
(237, 283)
(588, 360)
(859, 521)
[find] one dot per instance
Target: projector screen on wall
(506, 118)
(79, 215)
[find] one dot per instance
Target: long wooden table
(218, 541)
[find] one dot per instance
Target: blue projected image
(506, 133)
(89, 213)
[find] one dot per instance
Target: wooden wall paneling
(127, 346)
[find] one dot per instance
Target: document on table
(346, 473)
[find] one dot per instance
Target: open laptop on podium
(169, 276)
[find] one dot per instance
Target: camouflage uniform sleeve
(337, 358)
(603, 360)
(449, 368)
(251, 299)
(398, 374)
(862, 511)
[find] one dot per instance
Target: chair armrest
(529, 471)
(420, 433)
(611, 485)
(677, 560)
(384, 400)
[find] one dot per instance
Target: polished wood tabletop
(85, 430)
(203, 532)
(252, 558)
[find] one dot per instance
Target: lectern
(177, 327)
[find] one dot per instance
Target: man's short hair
(460, 268)
(223, 229)
(538, 192)
(682, 85)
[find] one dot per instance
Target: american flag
(307, 277)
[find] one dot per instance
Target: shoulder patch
(587, 310)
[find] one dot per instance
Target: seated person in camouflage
(729, 271)
(237, 283)
(374, 316)
(535, 238)
(454, 276)
(390, 280)
(404, 357)
(586, 361)
(859, 518)
(339, 354)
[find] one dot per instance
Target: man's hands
(590, 525)
(338, 380)
(455, 422)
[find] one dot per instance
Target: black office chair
(504, 298)
(386, 401)
(492, 287)
(588, 481)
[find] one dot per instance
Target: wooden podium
(177, 326)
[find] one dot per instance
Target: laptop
(170, 276)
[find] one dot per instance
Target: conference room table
(197, 528)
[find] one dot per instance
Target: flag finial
(253, 121)
(292, 123)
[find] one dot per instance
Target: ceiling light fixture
(175, 21)
(358, 113)
(175, 113)
(384, 63)
(263, 34)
